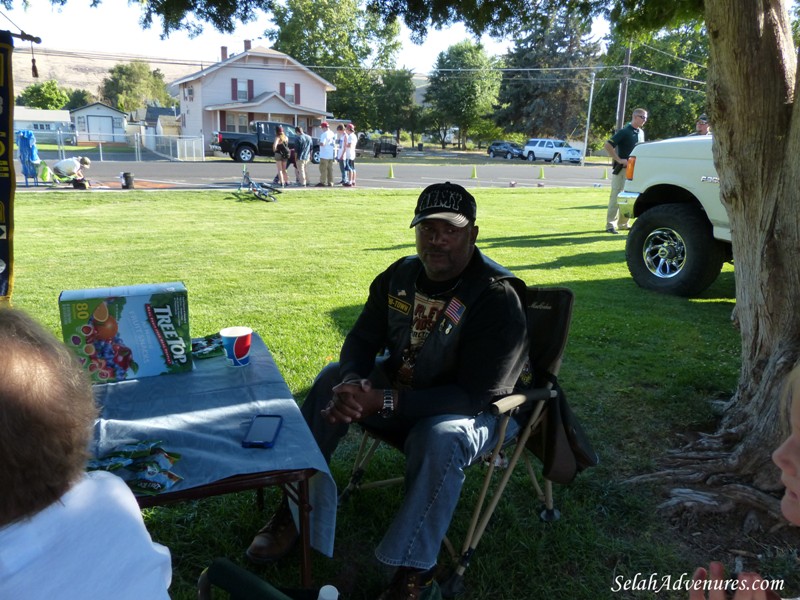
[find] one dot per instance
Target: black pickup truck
(244, 147)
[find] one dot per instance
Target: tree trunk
(756, 125)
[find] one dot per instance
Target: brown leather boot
(412, 584)
(276, 538)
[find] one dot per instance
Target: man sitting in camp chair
(453, 326)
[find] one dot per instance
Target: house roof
(255, 104)
(154, 113)
(74, 110)
(259, 51)
(26, 113)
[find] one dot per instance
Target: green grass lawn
(639, 368)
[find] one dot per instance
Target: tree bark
(756, 125)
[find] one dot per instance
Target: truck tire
(556, 159)
(531, 156)
(671, 249)
(315, 155)
(491, 153)
(509, 156)
(245, 154)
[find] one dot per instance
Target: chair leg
(549, 514)
(204, 587)
(364, 455)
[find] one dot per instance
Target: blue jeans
(343, 169)
(437, 451)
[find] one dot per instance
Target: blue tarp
(28, 154)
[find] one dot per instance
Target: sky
(113, 28)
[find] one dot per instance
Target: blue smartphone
(262, 431)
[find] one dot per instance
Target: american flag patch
(455, 310)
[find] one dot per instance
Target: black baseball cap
(446, 201)
(703, 118)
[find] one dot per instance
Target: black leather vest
(436, 362)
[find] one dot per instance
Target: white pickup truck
(681, 235)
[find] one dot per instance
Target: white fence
(133, 147)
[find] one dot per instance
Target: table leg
(301, 498)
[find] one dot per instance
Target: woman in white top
(350, 154)
(63, 533)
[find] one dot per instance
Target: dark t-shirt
(624, 140)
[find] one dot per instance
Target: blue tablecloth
(203, 416)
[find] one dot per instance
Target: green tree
(485, 131)
(79, 98)
(463, 86)
(545, 87)
(48, 95)
(133, 85)
(395, 100)
(418, 121)
(667, 77)
(345, 44)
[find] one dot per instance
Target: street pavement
(377, 174)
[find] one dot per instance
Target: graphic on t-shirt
(426, 313)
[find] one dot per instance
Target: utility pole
(623, 89)
(588, 121)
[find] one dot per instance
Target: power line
(664, 85)
(675, 56)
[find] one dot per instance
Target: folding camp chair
(549, 312)
(241, 584)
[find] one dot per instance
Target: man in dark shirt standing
(452, 324)
(619, 148)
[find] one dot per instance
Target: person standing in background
(304, 143)
(350, 154)
(280, 148)
(341, 153)
(619, 148)
(327, 153)
(702, 126)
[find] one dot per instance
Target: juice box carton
(128, 332)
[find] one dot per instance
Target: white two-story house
(260, 84)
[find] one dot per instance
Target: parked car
(386, 144)
(550, 150)
(507, 150)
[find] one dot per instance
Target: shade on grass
(638, 370)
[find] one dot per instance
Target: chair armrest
(240, 582)
(521, 400)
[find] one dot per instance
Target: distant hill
(86, 70)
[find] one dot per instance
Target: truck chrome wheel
(664, 253)
(671, 249)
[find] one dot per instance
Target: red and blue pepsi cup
(236, 342)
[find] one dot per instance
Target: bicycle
(262, 191)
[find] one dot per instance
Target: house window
(117, 122)
(81, 123)
(41, 127)
(236, 122)
(241, 90)
(287, 91)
